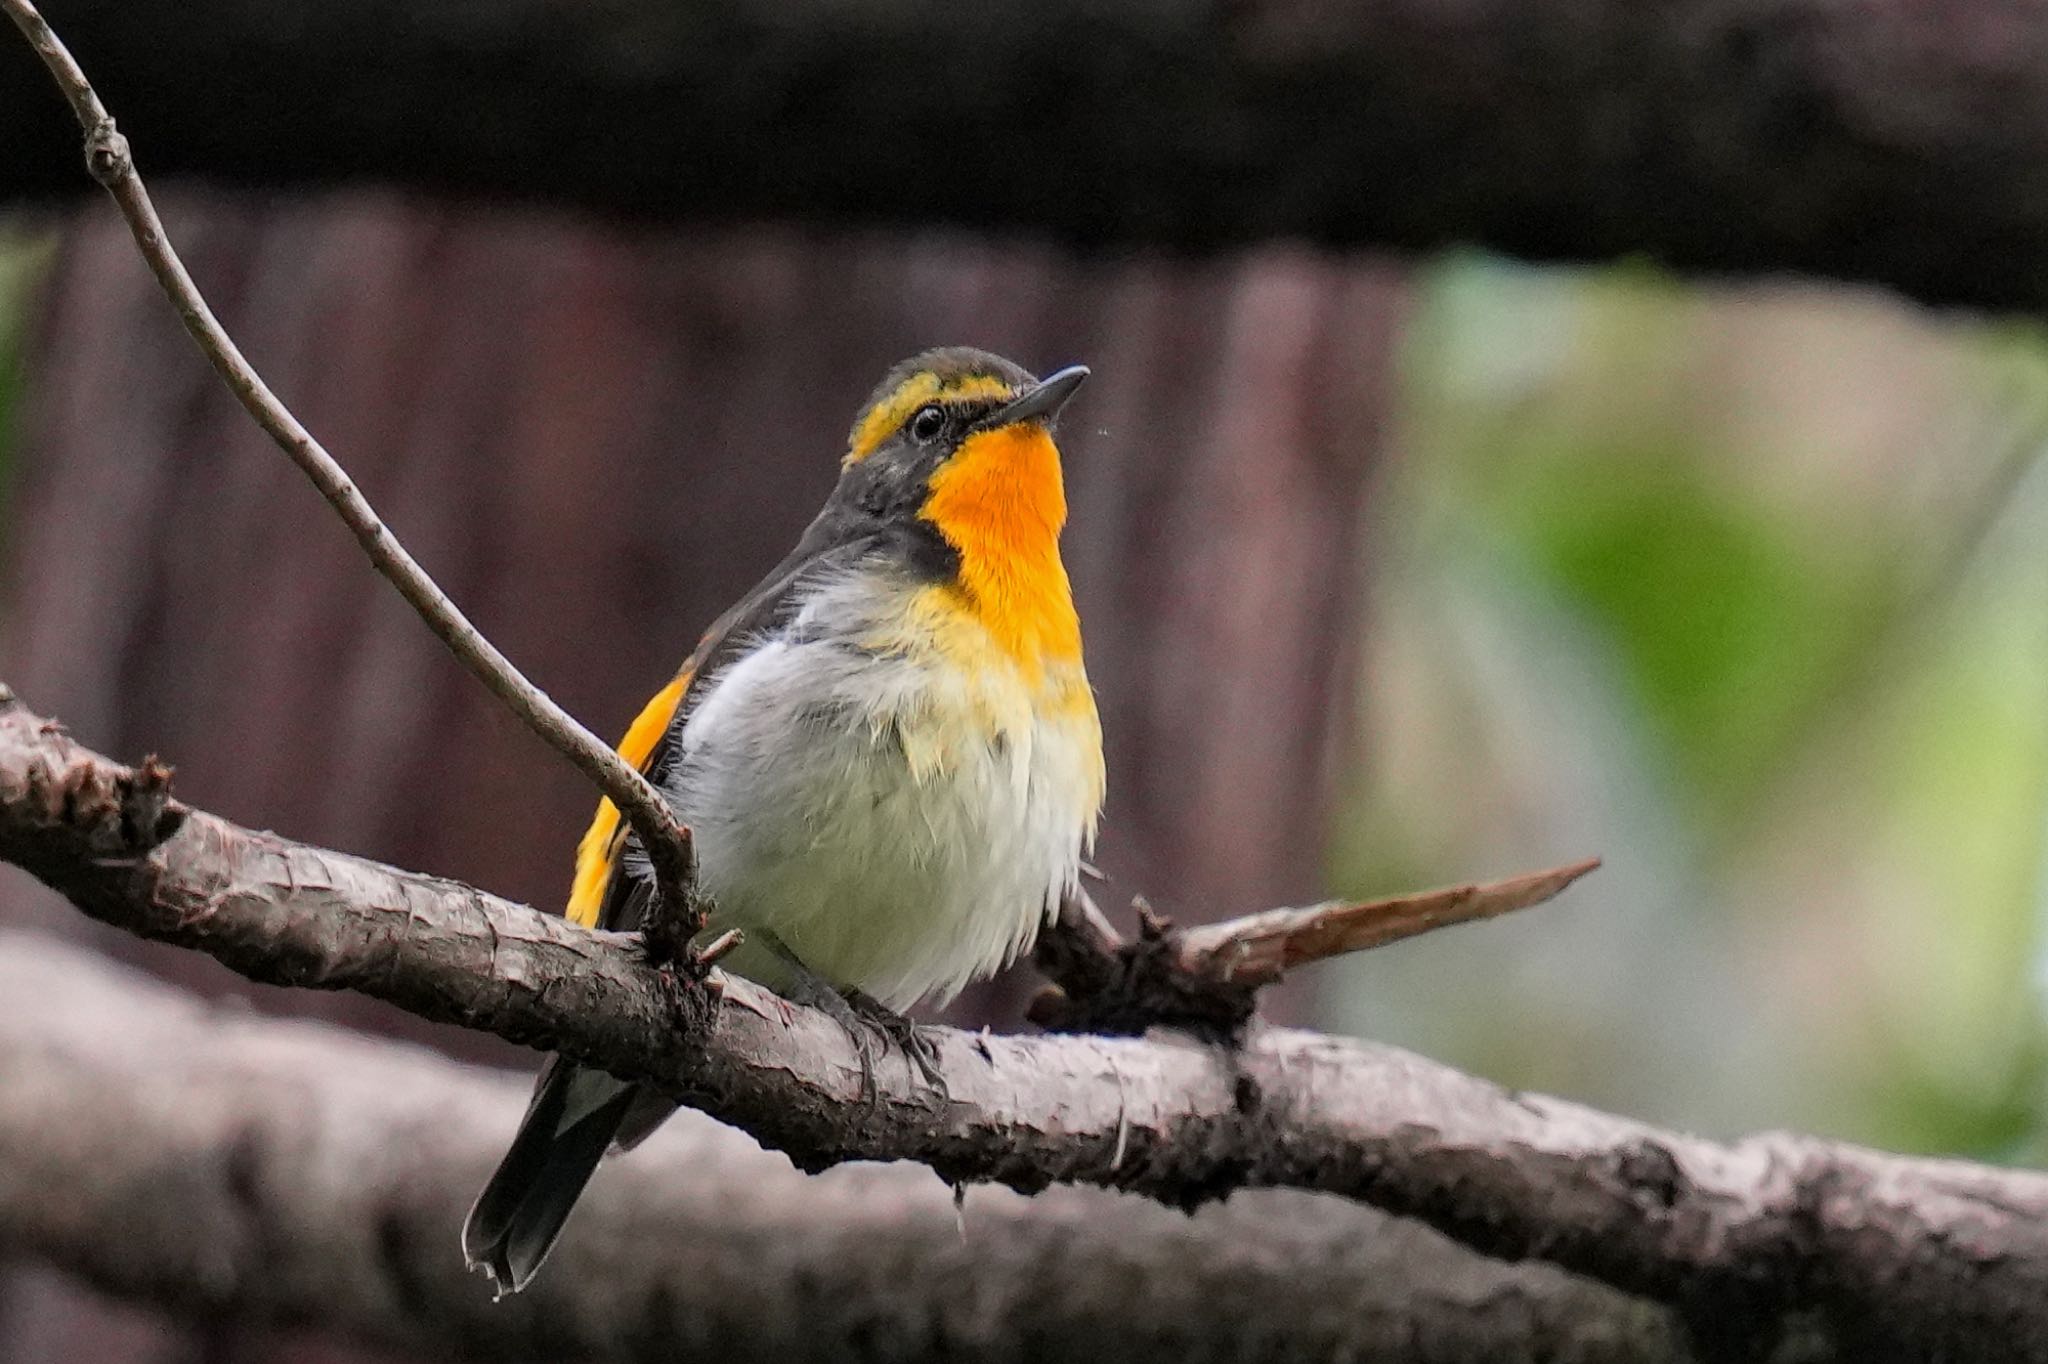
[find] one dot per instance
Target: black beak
(1041, 402)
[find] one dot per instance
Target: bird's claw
(914, 1040)
(861, 1015)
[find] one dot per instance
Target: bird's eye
(927, 422)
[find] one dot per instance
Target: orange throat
(999, 501)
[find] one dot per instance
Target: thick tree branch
(230, 1167)
(1894, 142)
(1908, 1258)
(108, 158)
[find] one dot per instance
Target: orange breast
(999, 501)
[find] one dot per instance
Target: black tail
(575, 1113)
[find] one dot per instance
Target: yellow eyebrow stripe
(886, 417)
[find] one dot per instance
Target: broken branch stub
(1207, 978)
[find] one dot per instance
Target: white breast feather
(901, 825)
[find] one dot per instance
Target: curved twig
(108, 158)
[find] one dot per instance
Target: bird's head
(960, 433)
(955, 448)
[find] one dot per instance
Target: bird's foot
(913, 1038)
(818, 993)
(861, 1016)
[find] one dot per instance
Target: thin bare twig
(108, 158)
(1260, 948)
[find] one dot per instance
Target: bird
(888, 754)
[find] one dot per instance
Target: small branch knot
(107, 157)
(108, 812)
(671, 915)
(147, 815)
(1128, 986)
(673, 911)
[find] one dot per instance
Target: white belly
(902, 828)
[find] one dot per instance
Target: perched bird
(888, 753)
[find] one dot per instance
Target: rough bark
(1895, 141)
(1905, 1259)
(230, 1168)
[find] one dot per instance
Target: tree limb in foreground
(228, 1167)
(1901, 1258)
(1904, 144)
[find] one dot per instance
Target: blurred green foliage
(1742, 589)
(1730, 620)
